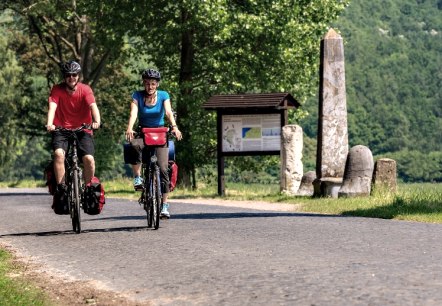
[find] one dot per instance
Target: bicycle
(74, 176)
(151, 197)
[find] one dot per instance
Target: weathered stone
(384, 176)
(327, 187)
(332, 144)
(306, 187)
(358, 172)
(291, 159)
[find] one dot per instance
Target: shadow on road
(15, 194)
(237, 215)
(98, 230)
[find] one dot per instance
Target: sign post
(248, 124)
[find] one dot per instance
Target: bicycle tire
(75, 213)
(148, 199)
(156, 197)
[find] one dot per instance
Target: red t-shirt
(73, 109)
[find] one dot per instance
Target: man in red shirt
(72, 103)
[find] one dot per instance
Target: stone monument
(384, 176)
(358, 173)
(291, 156)
(332, 142)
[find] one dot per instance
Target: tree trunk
(185, 158)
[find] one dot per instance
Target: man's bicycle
(151, 197)
(74, 176)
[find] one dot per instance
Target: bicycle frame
(151, 196)
(74, 177)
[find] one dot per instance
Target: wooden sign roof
(263, 100)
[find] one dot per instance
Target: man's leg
(89, 167)
(59, 169)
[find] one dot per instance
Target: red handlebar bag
(155, 136)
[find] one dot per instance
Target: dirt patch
(259, 205)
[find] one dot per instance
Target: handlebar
(84, 126)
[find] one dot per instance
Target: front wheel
(75, 202)
(156, 197)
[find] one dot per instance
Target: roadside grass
(14, 289)
(412, 202)
(420, 202)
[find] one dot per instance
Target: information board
(243, 133)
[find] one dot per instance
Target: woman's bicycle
(151, 197)
(74, 176)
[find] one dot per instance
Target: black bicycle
(151, 197)
(74, 176)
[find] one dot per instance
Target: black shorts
(85, 142)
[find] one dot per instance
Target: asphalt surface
(217, 255)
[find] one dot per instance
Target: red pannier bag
(155, 136)
(93, 197)
(49, 176)
(173, 174)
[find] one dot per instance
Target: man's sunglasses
(68, 75)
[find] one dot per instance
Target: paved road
(216, 255)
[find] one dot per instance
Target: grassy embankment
(14, 289)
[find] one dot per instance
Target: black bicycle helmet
(70, 67)
(151, 74)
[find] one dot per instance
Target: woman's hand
(177, 133)
(129, 134)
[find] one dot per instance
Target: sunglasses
(68, 75)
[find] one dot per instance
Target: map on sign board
(242, 133)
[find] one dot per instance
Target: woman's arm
(132, 118)
(171, 119)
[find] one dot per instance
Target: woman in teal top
(150, 106)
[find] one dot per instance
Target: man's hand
(50, 127)
(95, 125)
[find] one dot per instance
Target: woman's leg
(163, 162)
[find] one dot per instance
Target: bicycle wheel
(147, 199)
(156, 197)
(75, 202)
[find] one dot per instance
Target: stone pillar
(358, 173)
(291, 155)
(384, 175)
(332, 144)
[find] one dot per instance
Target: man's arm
(51, 114)
(96, 119)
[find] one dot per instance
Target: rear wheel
(75, 202)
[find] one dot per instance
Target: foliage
(393, 80)
(10, 101)
(202, 48)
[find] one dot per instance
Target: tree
(9, 82)
(201, 47)
(227, 46)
